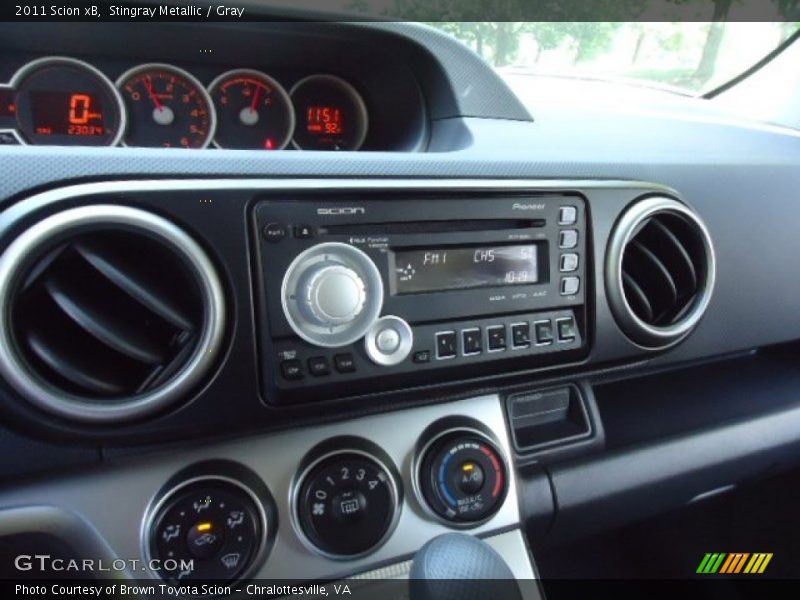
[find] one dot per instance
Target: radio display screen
(459, 268)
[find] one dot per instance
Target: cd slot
(410, 227)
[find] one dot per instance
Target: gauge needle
(256, 98)
(148, 84)
(162, 115)
(249, 115)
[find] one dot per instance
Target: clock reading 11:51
(331, 114)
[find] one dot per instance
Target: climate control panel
(462, 477)
(346, 503)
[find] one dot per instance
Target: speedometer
(63, 101)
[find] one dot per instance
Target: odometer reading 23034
(167, 107)
(66, 102)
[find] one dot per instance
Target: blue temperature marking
(448, 496)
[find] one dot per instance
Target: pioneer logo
(343, 210)
(519, 206)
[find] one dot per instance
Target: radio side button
(568, 238)
(570, 286)
(569, 263)
(567, 215)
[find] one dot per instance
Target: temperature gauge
(253, 111)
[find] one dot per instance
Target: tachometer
(167, 107)
(63, 101)
(253, 111)
(330, 114)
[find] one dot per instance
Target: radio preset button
(292, 369)
(471, 341)
(521, 335)
(570, 286)
(567, 215)
(497, 338)
(568, 238)
(344, 363)
(318, 366)
(446, 344)
(566, 329)
(569, 263)
(543, 330)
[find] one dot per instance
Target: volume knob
(332, 294)
(335, 294)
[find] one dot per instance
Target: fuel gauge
(253, 111)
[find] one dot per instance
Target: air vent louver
(660, 271)
(111, 311)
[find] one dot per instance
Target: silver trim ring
(352, 93)
(158, 502)
(416, 476)
(21, 73)
(332, 335)
(42, 395)
(646, 335)
(299, 480)
(212, 112)
(276, 87)
(404, 345)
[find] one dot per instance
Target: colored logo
(734, 563)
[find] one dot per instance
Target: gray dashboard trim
(276, 458)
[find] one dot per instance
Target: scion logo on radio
(342, 210)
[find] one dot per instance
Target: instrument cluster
(67, 102)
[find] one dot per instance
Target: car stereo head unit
(363, 295)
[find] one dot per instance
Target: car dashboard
(289, 300)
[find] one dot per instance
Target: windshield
(685, 57)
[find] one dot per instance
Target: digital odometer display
(438, 269)
(65, 113)
(62, 101)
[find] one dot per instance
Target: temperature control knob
(332, 294)
(463, 477)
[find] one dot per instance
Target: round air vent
(659, 271)
(109, 313)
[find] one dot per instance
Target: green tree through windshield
(698, 51)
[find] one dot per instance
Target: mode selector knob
(332, 294)
(388, 342)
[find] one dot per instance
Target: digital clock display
(325, 120)
(66, 113)
(454, 268)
